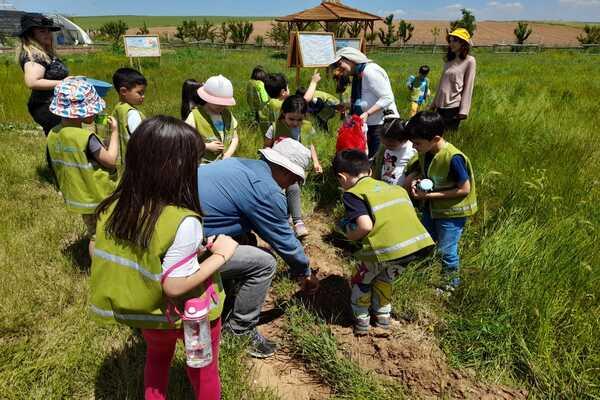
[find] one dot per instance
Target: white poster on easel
(317, 49)
(142, 46)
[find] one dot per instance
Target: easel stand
(138, 46)
(310, 53)
(297, 76)
(139, 63)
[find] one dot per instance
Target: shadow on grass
(79, 254)
(46, 175)
(332, 301)
(279, 56)
(121, 375)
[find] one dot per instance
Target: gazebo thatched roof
(329, 11)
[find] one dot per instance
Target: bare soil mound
(410, 353)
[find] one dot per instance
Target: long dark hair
(189, 97)
(464, 50)
(161, 169)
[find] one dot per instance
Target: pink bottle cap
(196, 308)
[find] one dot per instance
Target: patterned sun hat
(76, 98)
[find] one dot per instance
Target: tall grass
(531, 303)
(313, 341)
(529, 309)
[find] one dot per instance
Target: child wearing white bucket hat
(207, 109)
(81, 162)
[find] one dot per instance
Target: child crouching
(382, 218)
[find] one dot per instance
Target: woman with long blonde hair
(43, 71)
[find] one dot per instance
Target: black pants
(450, 116)
(374, 139)
(41, 114)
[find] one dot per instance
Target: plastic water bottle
(196, 329)
(426, 185)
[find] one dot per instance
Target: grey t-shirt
(93, 147)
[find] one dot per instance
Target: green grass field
(528, 313)
(153, 21)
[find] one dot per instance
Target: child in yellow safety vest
(381, 216)
(291, 124)
(149, 258)
(451, 198)
(205, 107)
(80, 161)
(131, 88)
(277, 88)
(257, 97)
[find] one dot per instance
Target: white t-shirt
(377, 89)
(187, 240)
(134, 119)
(295, 132)
(394, 163)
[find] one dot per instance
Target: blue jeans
(446, 232)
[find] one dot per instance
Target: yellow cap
(463, 34)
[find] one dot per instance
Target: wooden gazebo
(327, 13)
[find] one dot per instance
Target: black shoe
(260, 346)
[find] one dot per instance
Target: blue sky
(568, 10)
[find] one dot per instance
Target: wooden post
(297, 76)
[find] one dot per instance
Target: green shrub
(279, 34)
(592, 35)
(114, 30)
(467, 21)
(240, 31)
(389, 35)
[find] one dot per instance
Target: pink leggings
(160, 346)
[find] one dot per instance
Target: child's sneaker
(361, 326)
(382, 321)
(300, 229)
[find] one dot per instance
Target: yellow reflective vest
(82, 181)
(397, 231)
(125, 281)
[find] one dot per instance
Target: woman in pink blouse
(453, 98)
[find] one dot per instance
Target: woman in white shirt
(372, 96)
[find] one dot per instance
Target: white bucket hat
(289, 154)
(217, 90)
(352, 54)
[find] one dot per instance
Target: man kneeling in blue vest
(383, 218)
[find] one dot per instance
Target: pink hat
(217, 90)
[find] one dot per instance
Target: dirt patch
(488, 32)
(282, 373)
(410, 353)
(413, 357)
(287, 378)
